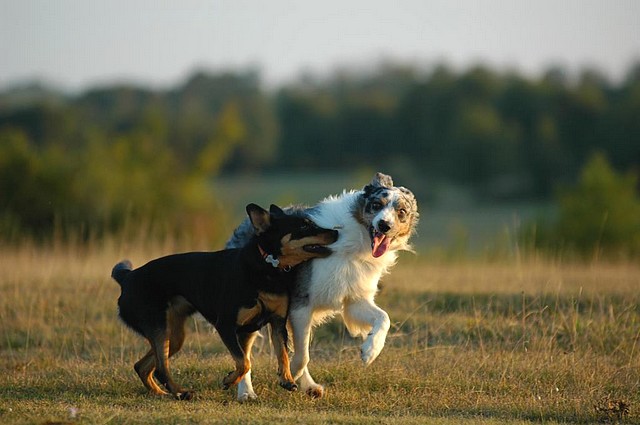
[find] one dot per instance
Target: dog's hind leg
(177, 314)
(145, 368)
(301, 326)
(279, 341)
(300, 319)
(160, 344)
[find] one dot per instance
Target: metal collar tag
(271, 260)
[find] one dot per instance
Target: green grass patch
(515, 343)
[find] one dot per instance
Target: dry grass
(523, 342)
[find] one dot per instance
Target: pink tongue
(380, 245)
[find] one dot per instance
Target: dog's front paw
(228, 380)
(245, 389)
(246, 396)
(370, 350)
(289, 385)
(185, 395)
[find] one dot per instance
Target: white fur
(245, 389)
(344, 283)
(350, 275)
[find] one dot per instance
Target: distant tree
(482, 145)
(528, 111)
(309, 134)
(34, 184)
(622, 125)
(41, 123)
(197, 108)
(601, 214)
(117, 154)
(425, 119)
(230, 131)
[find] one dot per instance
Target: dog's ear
(379, 180)
(276, 211)
(259, 217)
(382, 180)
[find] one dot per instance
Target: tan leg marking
(145, 368)
(247, 315)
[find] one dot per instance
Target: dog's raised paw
(369, 351)
(316, 391)
(366, 353)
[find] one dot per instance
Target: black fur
(235, 289)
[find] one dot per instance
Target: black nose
(383, 226)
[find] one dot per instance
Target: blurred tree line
(109, 154)
(504, 134)
(95, 163)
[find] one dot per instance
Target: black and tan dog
(237, 290)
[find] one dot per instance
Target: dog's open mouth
(317, 249)
(379, 242)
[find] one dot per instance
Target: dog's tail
(121, 270)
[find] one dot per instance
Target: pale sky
(77, 43)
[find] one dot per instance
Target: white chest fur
(351, 272)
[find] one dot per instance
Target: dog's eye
(376, 206)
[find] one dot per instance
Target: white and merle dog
(374, 224)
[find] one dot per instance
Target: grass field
(517, 342)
